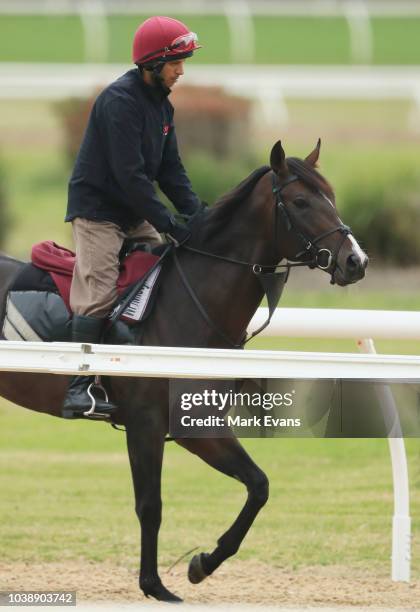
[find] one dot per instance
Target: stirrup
(91, 414)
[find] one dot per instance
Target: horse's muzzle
(353, 270)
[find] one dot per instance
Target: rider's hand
(178, 234)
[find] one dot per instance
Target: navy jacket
(130, 142)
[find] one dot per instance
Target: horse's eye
(300, 202)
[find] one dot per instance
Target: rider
(129, 142)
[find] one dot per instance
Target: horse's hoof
(156, 589)
(196, 571)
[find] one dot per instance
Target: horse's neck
(248, 234)
(231, 292)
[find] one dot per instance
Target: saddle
(38, 302)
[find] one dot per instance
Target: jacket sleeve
(121, 130)
(173, 179)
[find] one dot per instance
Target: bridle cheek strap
(309, 246)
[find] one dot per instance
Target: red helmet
(163, 38)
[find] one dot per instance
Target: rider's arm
(121, 130)
(173, 179)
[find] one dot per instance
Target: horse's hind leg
(229, 457)
(145, 441)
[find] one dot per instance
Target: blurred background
(347, 71)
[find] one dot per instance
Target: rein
(272, 284)
(270, 277)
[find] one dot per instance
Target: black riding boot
(82, 399)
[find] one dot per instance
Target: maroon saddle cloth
(60, 262)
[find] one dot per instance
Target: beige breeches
(98, 243)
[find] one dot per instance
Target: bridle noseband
(309, 245)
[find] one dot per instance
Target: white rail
(56, 81)
(174, 362)
(340, 323)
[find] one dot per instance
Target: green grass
(37, 38)
(279, 40)
(67, 495)
(288, 40)
(396, 41)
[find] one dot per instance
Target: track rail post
(401, 522)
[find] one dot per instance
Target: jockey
(129, 142)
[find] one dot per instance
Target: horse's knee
(150, 510)
(259, 490)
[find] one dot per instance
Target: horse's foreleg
(145, 441)
(228, 456)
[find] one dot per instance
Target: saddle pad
(36, 316)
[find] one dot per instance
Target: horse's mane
(227, 205)
(241, 191)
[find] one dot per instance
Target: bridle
(272, 277)
(310, 246)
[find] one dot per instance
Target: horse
(208, 294)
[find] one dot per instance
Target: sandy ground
(237, 582)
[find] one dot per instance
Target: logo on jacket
(166, 130)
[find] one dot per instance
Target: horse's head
(307, 222)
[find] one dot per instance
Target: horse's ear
(313, 157)
(278, 159)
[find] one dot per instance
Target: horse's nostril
(356, 266)
(353, 262)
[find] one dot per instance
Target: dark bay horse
(286, 211)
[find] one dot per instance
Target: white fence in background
(68, 358)
(54, 81)
(268, 86)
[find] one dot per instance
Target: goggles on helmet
(181, 44)
(185, 42)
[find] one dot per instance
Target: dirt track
(240, 582)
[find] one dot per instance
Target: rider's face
(171, 72)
